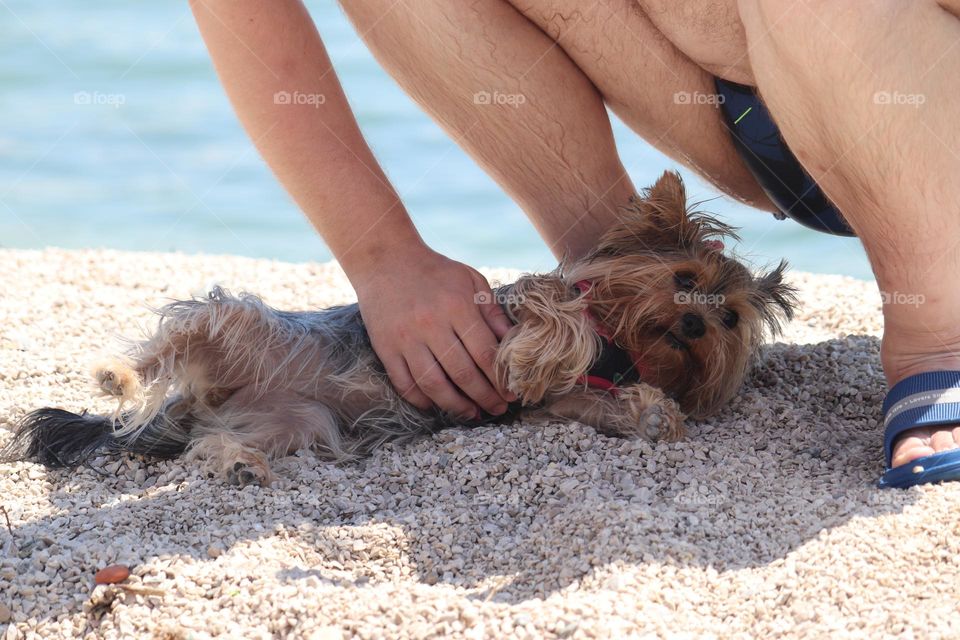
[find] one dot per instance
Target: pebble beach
(764, 522)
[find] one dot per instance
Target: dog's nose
(691, 325)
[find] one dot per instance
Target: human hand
(434, 324)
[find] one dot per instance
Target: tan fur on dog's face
(666, 292)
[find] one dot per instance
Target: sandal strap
(922, 400)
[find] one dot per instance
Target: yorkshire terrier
(654, 325)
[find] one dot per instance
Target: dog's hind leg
(203, 350)
(139, 403)
(239, 438)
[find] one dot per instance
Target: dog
(655, 324)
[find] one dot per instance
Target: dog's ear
(774, 299)
(666, 201)
(658, 220)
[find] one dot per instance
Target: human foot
(922, 436)
(922, 441)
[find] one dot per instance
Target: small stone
(469, 616)
(5, 613)
(326, 633)
(569, 486)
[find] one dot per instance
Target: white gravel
(764, 523)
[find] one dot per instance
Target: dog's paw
(661, 422)
(229, 460)
(246, 473)
(650, 414)
(118, 379)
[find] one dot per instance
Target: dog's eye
(730, 318)
(685, 280)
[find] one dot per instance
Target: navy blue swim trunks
(779, 173)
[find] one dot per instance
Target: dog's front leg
(637, 411)
(552, 343)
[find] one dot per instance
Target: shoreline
(771, 260)
(764, 522)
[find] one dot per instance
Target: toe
(943, 440)
(927, 441)
(652, 421)
(911, 445)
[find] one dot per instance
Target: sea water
(114, 132)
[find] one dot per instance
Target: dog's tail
(59, 438)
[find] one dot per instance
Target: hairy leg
(831, 72)
(524, 90)
(657, 90)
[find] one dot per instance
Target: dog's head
(663, 288)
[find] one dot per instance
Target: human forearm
(419, 308)
(277, 74)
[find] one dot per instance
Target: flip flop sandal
(924, 400)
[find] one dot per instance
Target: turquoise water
(116, 134)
